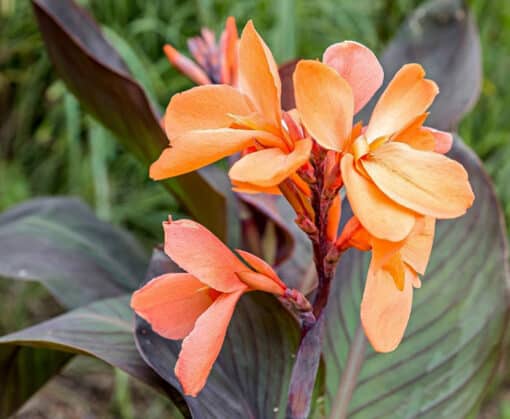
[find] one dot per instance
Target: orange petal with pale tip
(199, 252)
(359, 66)
(258, 75)
(270, 166)
(325, 103)
(407, 96)
(172, 303)
(416, 281)
(385, 309)
(379, 215)
(195, 149)
(426, 182)
(202, 346)
(204, 107)
(444, 140)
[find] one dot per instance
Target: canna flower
(215, 63)
(394, 172)
(197, 305)
(392, 275)
(208, 123)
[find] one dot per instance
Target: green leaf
(454, 339)
(102, 329)
(250, 378)
(61, 243)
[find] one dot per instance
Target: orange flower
(392, 275)
(393, 172)
(197, 306)
(215, 63)
(207, 123)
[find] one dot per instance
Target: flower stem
(308, 357)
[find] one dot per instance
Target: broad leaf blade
(442, 36)
(96, 74)
(102, 329)
(454, 338)
(61, 243)
(250, 378)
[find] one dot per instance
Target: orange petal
(444, 140)
(204, 107)
(426, 182)
(202, 346)
(258, 75)
(407, 96)
(186, 66)
(385, 309)
(228, 45)
(396, 268)
(325, 103)
(416, 281)
(244, 187)
(418, 246)
(261, 266)
(354, 235)
(334, 214)
(416, 136)
(195, 149)
(270, 166)
(380, 216)
(199, 252)
(260, 282)
(359, 66)
(384, 250)
(172, 303)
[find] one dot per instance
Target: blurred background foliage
(48, 145)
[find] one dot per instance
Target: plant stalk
(305, 368)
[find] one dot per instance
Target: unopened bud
(305, 224)
(298, 300)
(307, 173)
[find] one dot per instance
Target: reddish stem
(308, 357)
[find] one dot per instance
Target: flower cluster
(394, 172)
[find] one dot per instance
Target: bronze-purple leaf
(96, 74)
(440, 35)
